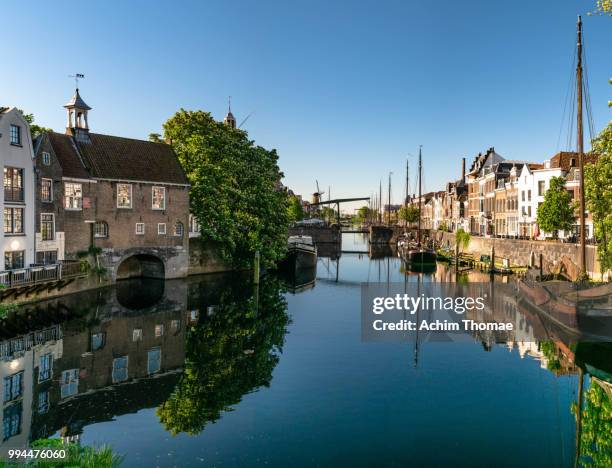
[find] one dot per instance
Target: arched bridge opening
(141, 266)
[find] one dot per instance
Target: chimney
(462, 168)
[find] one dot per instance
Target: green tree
(409, 213)
(598, 196)
(328, 214)
(462, 238)
(596, 430)
(234, 187)
(155, 138)
(557, 210)
(295, 211)
(363, 214)
(231, 353)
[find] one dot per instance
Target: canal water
(211, 371)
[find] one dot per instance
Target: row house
(127, 197)
(17, 199)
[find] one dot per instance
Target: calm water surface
(209, 372)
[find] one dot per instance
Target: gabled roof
(117, 158)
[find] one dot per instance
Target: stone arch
(140, 265)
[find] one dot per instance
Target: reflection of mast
(416, 341)
(578, 418)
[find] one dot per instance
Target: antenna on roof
(77, 77)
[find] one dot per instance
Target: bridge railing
(40, 274)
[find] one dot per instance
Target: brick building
(128, 197)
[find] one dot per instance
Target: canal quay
(215, 371)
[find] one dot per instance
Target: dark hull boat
(421, 256)
(301, 255)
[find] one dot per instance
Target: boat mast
(420, 177)
(580, 138)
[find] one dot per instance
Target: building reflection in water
(118, 350)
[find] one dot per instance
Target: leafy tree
(328, 213)
(596, 431)
(232, 353)
(35, 130)
(603, 7)
(363, 214)
(557, 211)
(234, 187)
(155, 138)
(462, 238)
(598, 196)
(295, 211)
(409, 213)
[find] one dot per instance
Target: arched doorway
(141, 266)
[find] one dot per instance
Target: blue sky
(344, 90)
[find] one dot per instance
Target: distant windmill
(316, 197)
(245, 119)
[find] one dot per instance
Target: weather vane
(76, 79)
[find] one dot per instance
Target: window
(124, 195)
(175, 326)
(161, 229)
(43, 402)
(14, 260)
(46, 190)
(153, 360)
(194, 227)
(70, 383)
(46, 158)
(45, 367)
(120, 369)
(140, 229)
(73, 196)
(529, 211)
(571, 194)
(47, 226)
(46, 257)
(11, 418)
(179, 229)
(522, 195)
(13, 386)
(137, 334)
(528, 195)
(541, 188)
(98, 340)
(15, 135)
(13, 220)
(13, 184)
(159, 198)
(101, 229)
(159, 331)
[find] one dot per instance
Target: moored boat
(301, 254)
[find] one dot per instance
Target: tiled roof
(67, 156)
(111, 157)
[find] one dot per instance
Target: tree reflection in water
(231, 352)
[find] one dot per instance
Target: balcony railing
(13, 194)
(40, 274)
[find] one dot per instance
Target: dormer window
(15, 135)
(46, 158)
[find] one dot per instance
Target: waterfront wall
(204, 257)
(557, 257)
(319, 234)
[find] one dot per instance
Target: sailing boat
(416, 253)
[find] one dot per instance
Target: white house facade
(17, 246)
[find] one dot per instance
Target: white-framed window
(159, 198)
(45, 367)
(43, 401)
(47, 226)
(101, 229)
(140, 229)
(70, 383)
(73, 196)
(120, 369)
(194, 226)
(13, 386)
(137, 334)
(98, 340)
(161, 229)
(159, 330)
(124, 195)
(46, 158)
(46, 190)
(179, 229)
(15, 135)
(153, 360)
